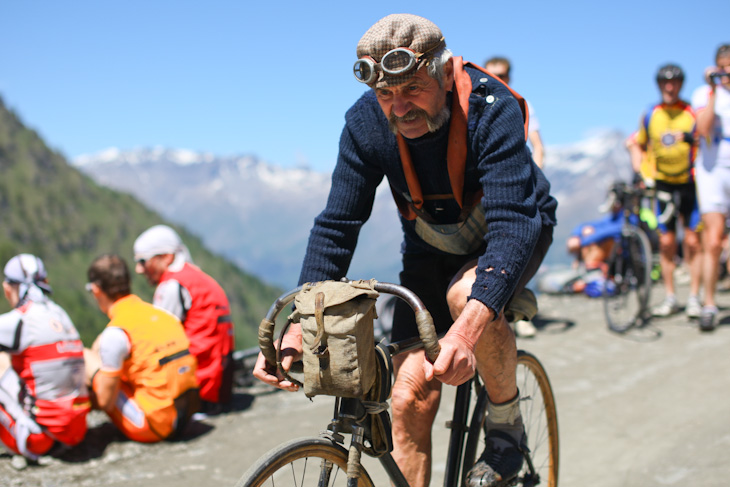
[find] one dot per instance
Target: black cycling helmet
(669, 71)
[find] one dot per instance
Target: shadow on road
(552, 324)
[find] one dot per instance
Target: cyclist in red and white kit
(43, 398)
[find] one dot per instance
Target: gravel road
(646, 409)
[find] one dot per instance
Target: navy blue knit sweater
(516, 194)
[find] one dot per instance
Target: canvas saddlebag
(337, 337)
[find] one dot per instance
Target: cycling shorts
(16, 437)
(713, 189)
(429, 276)
(22, 434)
(684, 199)
(130, 418)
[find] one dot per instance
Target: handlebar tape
(266, 340)
(428, 335)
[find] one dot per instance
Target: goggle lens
(398, 61)
(364, 70)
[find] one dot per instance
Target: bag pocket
(337, 337)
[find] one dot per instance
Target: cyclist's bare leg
(415, 402)
(496, 350)
(693, 256)
(667, 253)
(712, 233)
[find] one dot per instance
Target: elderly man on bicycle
(477, 219)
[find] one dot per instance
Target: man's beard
(433, 123)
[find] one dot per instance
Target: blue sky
(274, 79)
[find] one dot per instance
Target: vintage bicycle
(328, 459)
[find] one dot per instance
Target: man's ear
(168, 259)
(449, 74)
(96, 290)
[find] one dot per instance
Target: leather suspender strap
(414, 186)
(456, 150)
(457, 146)
(521, 101)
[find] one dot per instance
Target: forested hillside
(50, 209)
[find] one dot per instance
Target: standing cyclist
(665, 144)
(451, 141)
(711, 102)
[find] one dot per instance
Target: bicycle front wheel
(628, 284)
(539, 415)
(302, 462)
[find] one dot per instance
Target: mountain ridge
(249, 196)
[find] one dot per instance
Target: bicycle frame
(356, 416)
(347, 412)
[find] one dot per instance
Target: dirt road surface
(646, 409)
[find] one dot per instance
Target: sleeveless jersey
(160, 367)
(208, 325)
(47, 354)
(668, 155)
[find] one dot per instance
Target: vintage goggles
(395, 62)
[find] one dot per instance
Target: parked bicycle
(627, 287)
(329, 460)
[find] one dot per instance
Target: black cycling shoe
(499, 464)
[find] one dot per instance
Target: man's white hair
(436, 66)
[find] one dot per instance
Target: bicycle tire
(290, 464)
(628, 283)
(539, 414)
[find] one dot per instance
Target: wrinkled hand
(455, 364)
(291, 350)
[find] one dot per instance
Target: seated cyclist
(477, 219)
(140, 369)
(592, 241)
(43, 398)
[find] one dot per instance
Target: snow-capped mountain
(580, 175)
(259, 214)
(255, 213)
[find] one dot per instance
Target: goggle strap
(438, 45)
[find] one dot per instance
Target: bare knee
(456, 298)
(460, 288)
(415, 401)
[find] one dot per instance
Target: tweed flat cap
(399, 30)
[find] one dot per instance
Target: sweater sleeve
(333, 238)
(508, 177)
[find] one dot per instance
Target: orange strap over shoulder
(457, 148)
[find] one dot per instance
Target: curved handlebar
(424, 321)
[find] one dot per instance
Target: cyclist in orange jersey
(140, 369)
